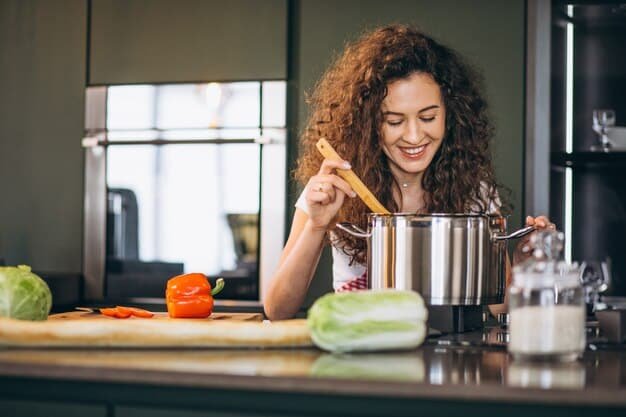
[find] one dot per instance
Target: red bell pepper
(191, 296)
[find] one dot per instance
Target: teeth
(414, 151)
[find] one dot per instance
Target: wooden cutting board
(73, 315)
(223, 330)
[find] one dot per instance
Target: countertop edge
(322, 386)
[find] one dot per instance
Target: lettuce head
(23, 295)
(368, 321)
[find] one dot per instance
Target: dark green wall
(489, 33)
(42, 79)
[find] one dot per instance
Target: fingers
(322, 193)
(328, 185)
(540, 222)
(340, 184)
(329, 166)
(325, 184)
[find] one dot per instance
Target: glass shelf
(588, 158)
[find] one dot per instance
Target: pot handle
(353, 230)
(518, 233)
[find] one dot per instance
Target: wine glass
(595, 278)
(603, 119)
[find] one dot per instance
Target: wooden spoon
(351, 178)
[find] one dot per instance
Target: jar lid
(545, 267)
(566, 278)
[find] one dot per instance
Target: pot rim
(455, 215)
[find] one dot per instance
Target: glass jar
(546, 304)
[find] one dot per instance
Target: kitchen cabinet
(25, 408)
(125, 411)
(160, 41)
(42, 87)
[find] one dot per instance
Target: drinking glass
(595, 277)
(603, 119)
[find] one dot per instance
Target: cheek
(438, 129)
(388, 137)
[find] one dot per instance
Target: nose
(413, 132)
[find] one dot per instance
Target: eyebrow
(394, 113)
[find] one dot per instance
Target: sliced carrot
(114, 312)
(134, 311)
(110, 312)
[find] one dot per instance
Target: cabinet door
(42, 88)
(124, 411)
(49, 409)
(155, 41)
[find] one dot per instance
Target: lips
(413, 152)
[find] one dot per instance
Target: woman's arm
(296, 267)
(324, 195)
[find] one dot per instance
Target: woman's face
(413, 124)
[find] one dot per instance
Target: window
(191, 174)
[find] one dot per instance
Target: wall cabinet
(160, 41)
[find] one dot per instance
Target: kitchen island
(439, 378)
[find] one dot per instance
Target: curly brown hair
(346, 110)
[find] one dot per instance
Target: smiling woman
(408, 116)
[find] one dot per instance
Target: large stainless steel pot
(450, 259)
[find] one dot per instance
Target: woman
(408, 116)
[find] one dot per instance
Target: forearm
(290, 284)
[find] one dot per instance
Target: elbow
(274, 312)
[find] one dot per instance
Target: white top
(343, 272)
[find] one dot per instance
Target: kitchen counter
(439, 378)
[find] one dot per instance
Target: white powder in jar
(537, 330)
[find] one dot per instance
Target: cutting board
(73, 315)
(220, 330)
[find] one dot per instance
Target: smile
(413, 152)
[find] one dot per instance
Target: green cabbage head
(368, 321)
(23, 295)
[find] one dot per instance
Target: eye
(394, 122)
(427, 119)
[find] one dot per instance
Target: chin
(413, 167)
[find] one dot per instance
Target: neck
(408, 180)
(410, 196)
(409, 184)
